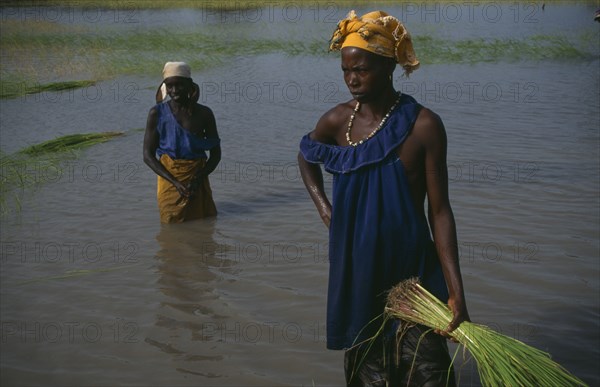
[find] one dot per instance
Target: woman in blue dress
(387, 153)
(179, 132)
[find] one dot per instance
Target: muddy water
(94, 291)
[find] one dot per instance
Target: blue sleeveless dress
(182, 153)
(176, 141)
(376, 238)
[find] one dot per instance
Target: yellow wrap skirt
(174, 209)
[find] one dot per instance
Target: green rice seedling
(16, 89)
(59, 86)
(29, 167)
(38, 52)
(226, 5)
(501, 360)
(19, 173)
(69, 142)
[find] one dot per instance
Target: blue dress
(182, 153)
(376, 238)
(178, 142)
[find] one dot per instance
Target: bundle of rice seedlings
(501, 360)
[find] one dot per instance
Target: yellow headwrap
(378, 33)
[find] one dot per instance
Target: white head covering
(177, 69)
(172, 69)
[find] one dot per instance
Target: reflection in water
(190, 265)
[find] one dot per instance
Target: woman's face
(178, 88)
(365, 73)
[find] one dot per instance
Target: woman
(179, 132)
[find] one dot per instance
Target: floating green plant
(69, 142)
(212, 4)
(37, 164)
(479, 50)
(35, 52)
(16, 89)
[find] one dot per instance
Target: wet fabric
(379, 33)
(413, 357)
(178, 142)
(174, 209)
(376, 238)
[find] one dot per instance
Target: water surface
(94, 291)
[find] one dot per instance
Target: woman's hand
(459, 313)
(184, 192)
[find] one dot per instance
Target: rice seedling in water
(501, 360)
(69, 142)
(37, 53)
(40, 163)
(227, 5)
(18, 173)
(16, 89)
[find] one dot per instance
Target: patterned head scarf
(378, 33)
(172, 69)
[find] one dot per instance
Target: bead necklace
(376, 129)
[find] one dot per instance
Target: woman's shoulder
(203, 109)
(332, 122)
